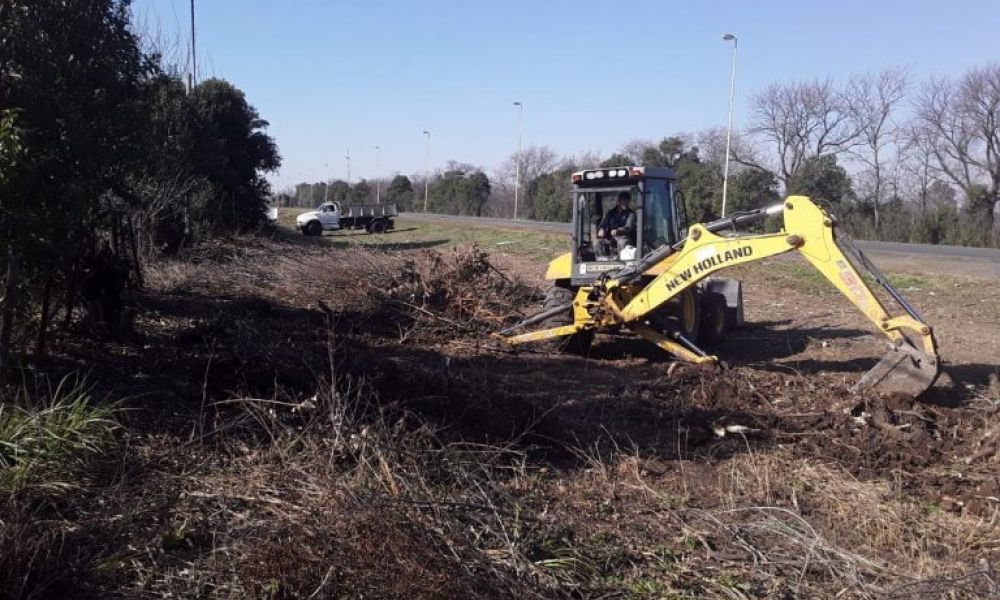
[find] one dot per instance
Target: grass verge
(414, 235)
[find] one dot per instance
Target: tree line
(108, 159)
(899, 161)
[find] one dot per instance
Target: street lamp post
(427, 167)
(517, 175)
(729, 131)
(378, 182)
(193, 77)
(326, 189)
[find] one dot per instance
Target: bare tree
(535, 161)
(871, 101)
(948, 134)
(711, 144)
(963, 120)
(979, 107)
(915, 156)
(801, 121)
(635, 149)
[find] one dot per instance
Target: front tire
(681, 313)
(313, 228)
(578, 343)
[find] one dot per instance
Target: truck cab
(656, 212)
(326, 217)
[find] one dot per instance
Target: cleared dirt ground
(330, 419)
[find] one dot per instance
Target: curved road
(958, 260)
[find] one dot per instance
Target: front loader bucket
(904, 369)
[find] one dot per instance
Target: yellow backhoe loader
(636, 264)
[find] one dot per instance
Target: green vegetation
(107, 159)
(46, 440)
(414, 234)
(801, 276)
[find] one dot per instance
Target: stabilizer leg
(663, 342)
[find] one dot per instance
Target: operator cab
(659, 217)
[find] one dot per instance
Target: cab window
(658, 216)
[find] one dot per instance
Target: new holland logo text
(708, 264)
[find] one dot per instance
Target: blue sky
(336, 75)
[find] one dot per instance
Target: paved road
(990, 256)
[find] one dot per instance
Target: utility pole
(729, 131)
(427, 168)
(517, 176)
(378, 181)
(193, 77)
(349, 174)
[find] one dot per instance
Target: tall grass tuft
(46, 437)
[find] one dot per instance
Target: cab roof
(612, 174)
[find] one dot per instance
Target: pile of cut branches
(456, 292)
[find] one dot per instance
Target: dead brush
(872, 541)
(461, 292)
(342, 493)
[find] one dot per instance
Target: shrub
(45, 440)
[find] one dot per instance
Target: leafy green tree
(339, 191)
(550, 195)
(10, 150)
(616, 160)
(821, 178)
(701, 184)
(233, 153)
(460, 191)
(478, 190)
(72, 70)
(362, 192)
(976, 217)
(665, 154)
(107, 135)
(699, 181)
(751, 188)
(400, 192)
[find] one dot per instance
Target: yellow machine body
(911, 365)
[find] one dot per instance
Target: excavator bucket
(904, 370)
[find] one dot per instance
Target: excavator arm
(910, 366)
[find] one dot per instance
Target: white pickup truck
(331, 216)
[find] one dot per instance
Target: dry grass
(367, 480)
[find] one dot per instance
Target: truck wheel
(713, 319)
(579, 342)
(313, 228)
(377, 226)
(682, 312)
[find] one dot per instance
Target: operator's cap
(624, 196)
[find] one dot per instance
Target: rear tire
(712, 328)
(578, 343)
(377, 226)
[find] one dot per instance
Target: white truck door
(330, 217)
